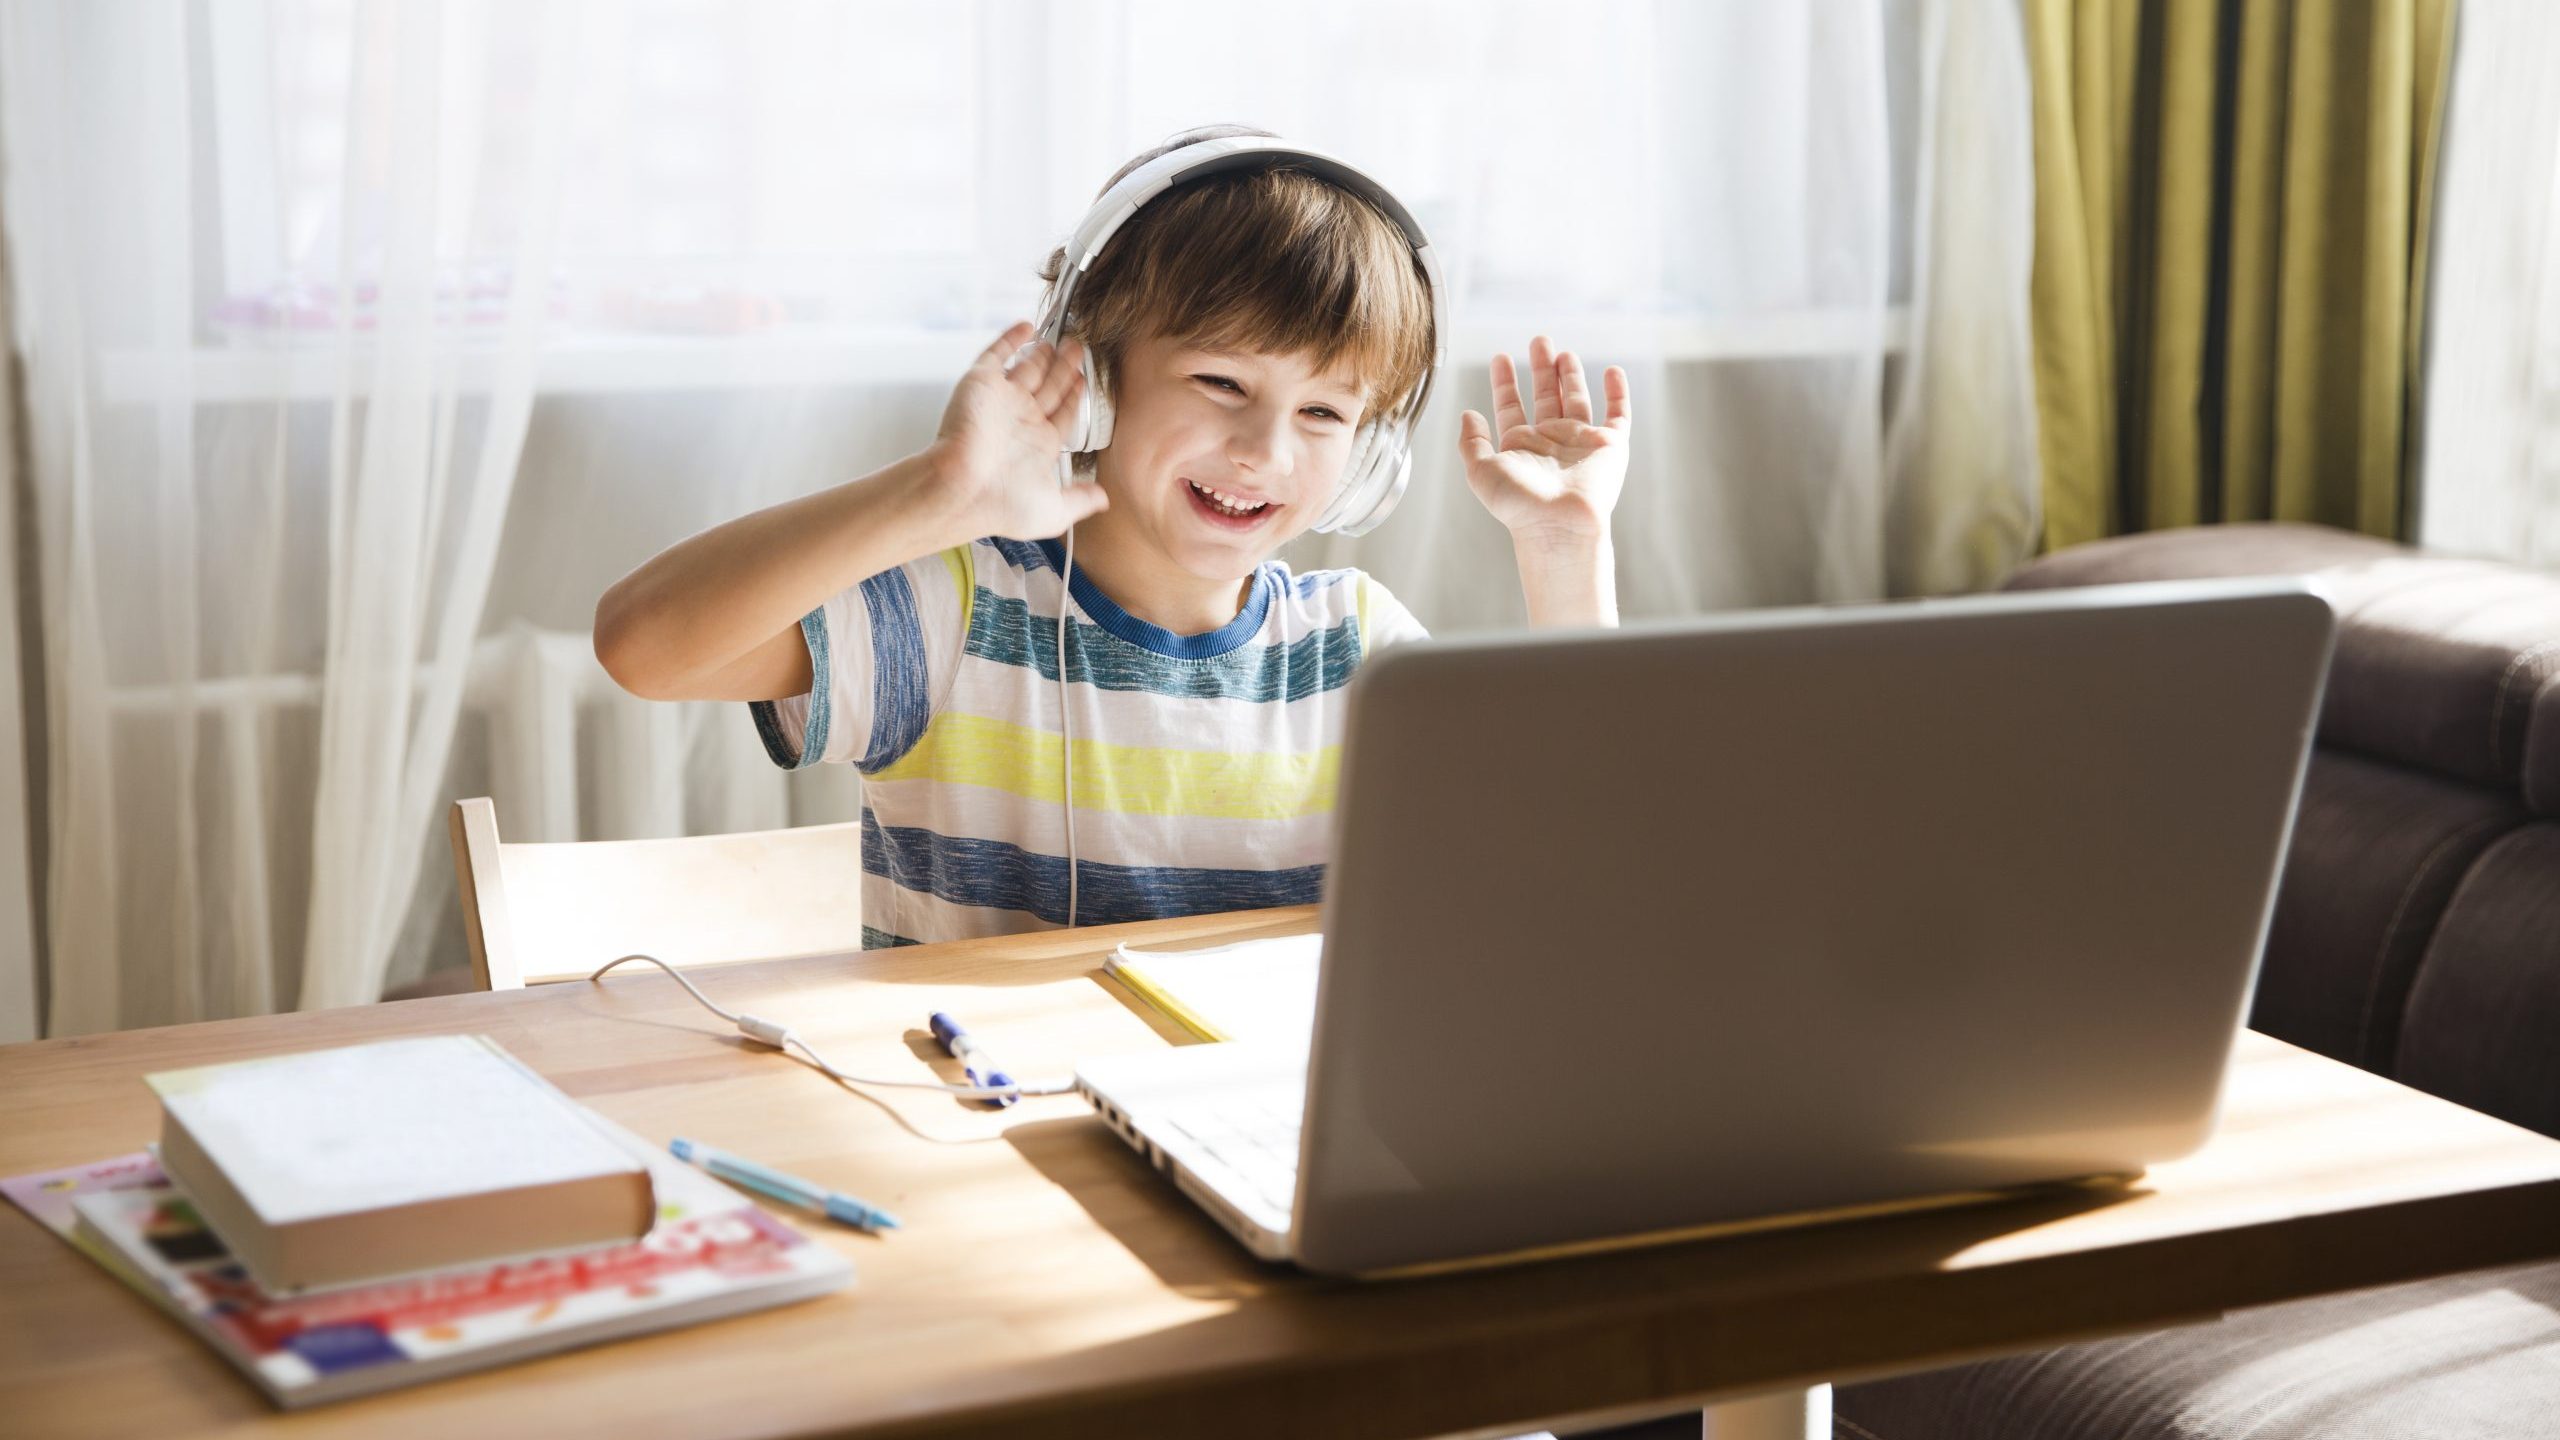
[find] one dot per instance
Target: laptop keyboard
(1255, 1135)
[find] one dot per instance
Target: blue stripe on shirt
(1315, 580)
(1022, 554)
(1004, 630)
(901, 696)
(1002, 876)
(813, 739)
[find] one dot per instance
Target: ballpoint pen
(974, 1060)
(835, 1205)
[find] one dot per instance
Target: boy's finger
(1475, 442)
(1031, 367)
(1542, 375)
(1576, 389)
(1622, 405)
(1063, 374)
(1507, 415)
(1058, 395)
(1088, 499)
(1005, 344)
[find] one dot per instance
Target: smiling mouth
(1227, 506)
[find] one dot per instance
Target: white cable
(781, 1037)
(1066, 727)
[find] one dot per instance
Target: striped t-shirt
(1205, 765)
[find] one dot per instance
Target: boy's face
(1265, 432)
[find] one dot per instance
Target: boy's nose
(1264, 449)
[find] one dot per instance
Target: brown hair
(1270, 260)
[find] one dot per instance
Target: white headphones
(1381, 461)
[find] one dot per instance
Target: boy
(1244, 323)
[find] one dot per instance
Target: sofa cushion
(2439, 663)
(2542, 751)
(2442, 663)
(2483, 1021)
(2462, 1357)
(2205, 552)
(2377, 852)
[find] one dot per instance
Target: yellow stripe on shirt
(964, 577)
(960, 749)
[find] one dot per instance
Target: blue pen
(841, 1208)
(974, 1060)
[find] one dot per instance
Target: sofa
(2416, 934)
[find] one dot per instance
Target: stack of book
(343, 1221)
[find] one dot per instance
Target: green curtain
(2231, 217)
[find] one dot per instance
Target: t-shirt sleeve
(881, 655)
(1383, 619)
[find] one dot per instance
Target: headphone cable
(782, 1037)
(1066, 721)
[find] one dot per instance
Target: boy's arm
(1553, 484)
(717, 617)
(1568, 580)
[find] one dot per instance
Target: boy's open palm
(1002, 432)
(1559, 476)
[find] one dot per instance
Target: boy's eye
(1326, 411)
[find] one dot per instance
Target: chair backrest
(542, 912)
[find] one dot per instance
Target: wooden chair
(538, 912)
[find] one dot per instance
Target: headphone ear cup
(1095, 406)
(1090, 427)
(1375, 476)
(1393, 472)
(1356, 467)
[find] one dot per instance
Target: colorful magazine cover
(47, 1198)
(712, 1253)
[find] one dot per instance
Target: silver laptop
(1767, 915)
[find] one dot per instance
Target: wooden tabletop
(1049, 1282)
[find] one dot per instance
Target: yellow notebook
(1260, 990)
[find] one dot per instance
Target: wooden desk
(1048, 1282)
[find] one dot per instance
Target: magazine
(47, 1198)
(712, 1253)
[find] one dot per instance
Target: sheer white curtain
(281, 362)
(369, 342)
(2489, 436)
(1806, 230)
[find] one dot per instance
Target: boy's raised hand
(1555, 479)
(997, 450)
